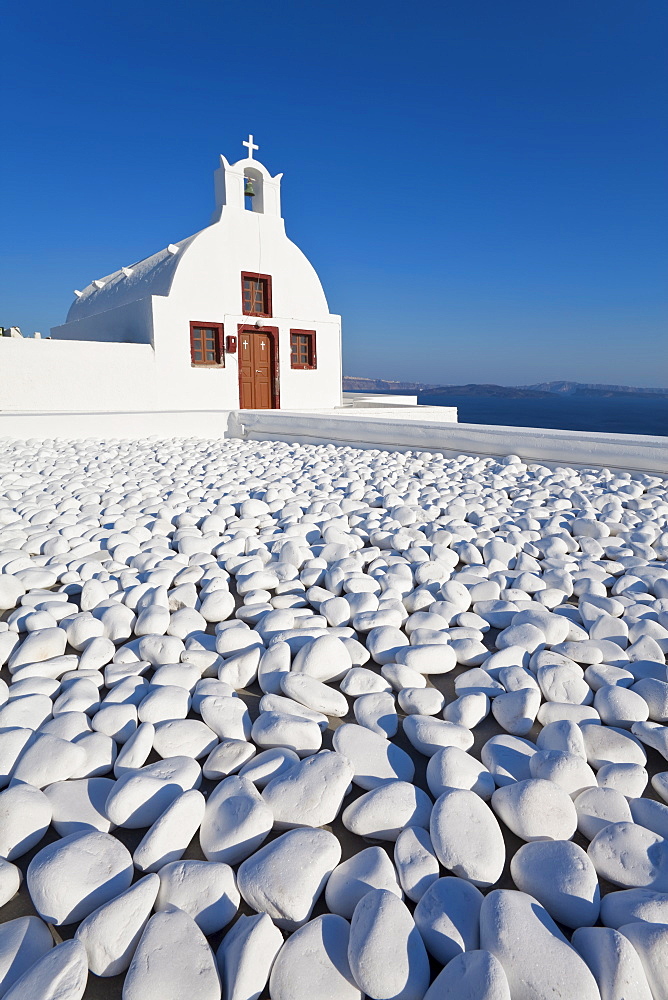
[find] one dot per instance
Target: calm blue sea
(629, 415)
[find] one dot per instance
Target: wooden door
(256, 371)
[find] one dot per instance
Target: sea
(628, 414)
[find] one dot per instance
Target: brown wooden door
(255, 371)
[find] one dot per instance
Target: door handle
(257, 371)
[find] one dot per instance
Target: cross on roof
(251, 146)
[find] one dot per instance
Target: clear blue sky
(480, 183)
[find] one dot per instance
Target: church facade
(232, 317)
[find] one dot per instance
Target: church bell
(248, 188)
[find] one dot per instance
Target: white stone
(614, 963)
(117, 721)
(507, 758)
(227, 717)
(467, 837)
(659, 783)
(516, 711)
(428, 735)
(377, 712)
(236, 821)
(629, 779)
(246, 955)
(560, 875)
(619, 706)
(597, 807)
(386, 953)
(140, 796)
(477, 681)
(69, 879)
(473, 975)
(314, 694)
(186, 966)
(538, 961)
(384, 811)
(568, 770)
(400, 676)
(608, 745)
(278, 729)
(23, 941)
(652, 734)
(415, 861)
(326, 658)
(25, 815)
(385, 642)
(654, 692)
(447, 916)
(268, 765)
(29, 712)
(60, 974)
(429, 659)
(631, 856)
(227, 758)
(38, 646)
(375, 760)
(369, 869)
(468, 710)
(361, 680)
(310, 793)
(134, 752)
(10, 881)
(313, 962)
(205, 890)
(452, 767)
(240, 670)
(650, 814)
(285, 878)
(651, 944)
(536, 809)
(163, 703)
(287, 706)
(420, 701)
(629, 905)
(168, 838)
(564, 684)
(47, 759)
(274, 662)
(111, 933)
(184, 738)
(562, 735)
(78, 806)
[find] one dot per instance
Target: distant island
(541, 390)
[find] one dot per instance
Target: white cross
(262, 344)
(245, 344)
(251, 146)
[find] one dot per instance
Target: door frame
(272, 332)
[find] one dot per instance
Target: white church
(233, 317)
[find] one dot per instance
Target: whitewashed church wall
(47, 375)
(126, 324)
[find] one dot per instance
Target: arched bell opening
(253, 190)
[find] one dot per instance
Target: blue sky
(480, 184)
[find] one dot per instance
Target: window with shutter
(302, 349)
(206, 344)
(256, 294)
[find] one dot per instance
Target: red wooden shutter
(220, 344)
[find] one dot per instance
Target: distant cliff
(541, 390)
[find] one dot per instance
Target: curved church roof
(151, 276)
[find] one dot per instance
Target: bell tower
(247, 186)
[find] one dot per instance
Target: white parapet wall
(629, 452)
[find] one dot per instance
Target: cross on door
(245, 344)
